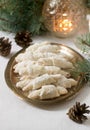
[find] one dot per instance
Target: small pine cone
(23, 38)
(76, 113)
(5, 46)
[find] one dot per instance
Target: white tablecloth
(16, 114)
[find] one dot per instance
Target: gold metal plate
(12, 78)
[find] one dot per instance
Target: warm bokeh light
(63, 25)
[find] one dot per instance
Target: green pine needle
(88, 3)
(18, 15)
(82, 69)
(84, 42)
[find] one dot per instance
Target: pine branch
(82, 69)
(3, 4)
(3, 19)
(84, 41)
(22, 15)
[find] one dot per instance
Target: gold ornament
(63, 17)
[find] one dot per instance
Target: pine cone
(5, 46)
(23, 38)
(76, 113)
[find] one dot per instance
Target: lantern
(63, 17)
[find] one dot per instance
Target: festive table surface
(16, 114)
